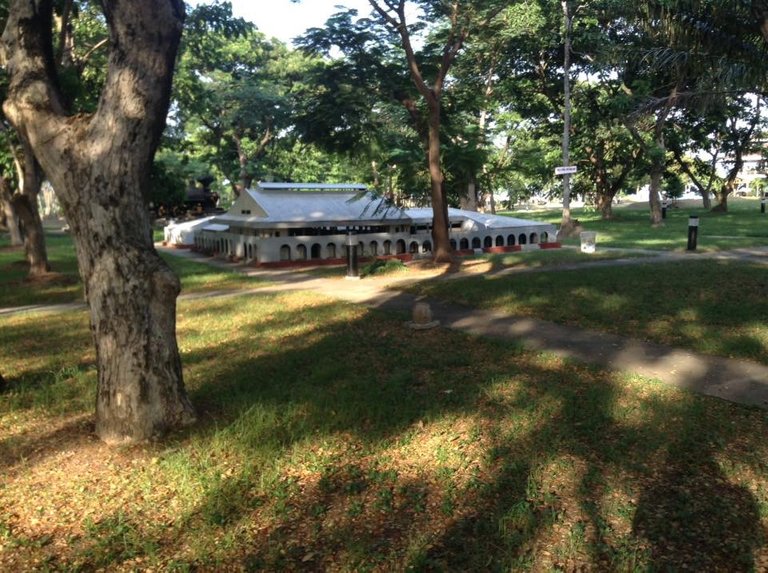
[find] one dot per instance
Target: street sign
(565, 169)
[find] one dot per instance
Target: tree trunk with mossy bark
(99, 165)
(25, 204)
(9, 213)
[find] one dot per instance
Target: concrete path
(737, 381)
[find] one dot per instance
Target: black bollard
(693, 231)
(762, 202)
(352, 271)
(663, 209)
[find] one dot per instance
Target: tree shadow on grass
(568, 476)
(359, 444)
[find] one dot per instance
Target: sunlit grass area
(64, 286)
(714, 307)
(333, 438)
(742, 226)
(485, 263)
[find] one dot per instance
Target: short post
(693, 231)
(762, 202)
(664, 209)
(352, 271)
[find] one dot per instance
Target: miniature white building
(280, 222)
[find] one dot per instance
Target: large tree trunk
(605, 206)
(469, 200)
(440, 224)
(658, 166)
(654, 199)
(25, 205)
(98, 165)
(722, 198)
(9, 213)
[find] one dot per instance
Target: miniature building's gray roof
(424, 215)
(299, 204)
(290, 203)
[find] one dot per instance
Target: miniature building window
(488, 242)
(387, 247)
(534, 238)
(523, 239)
(464, 244)
(499, 241)
(510, 240)
(245, 212)
(476, 244)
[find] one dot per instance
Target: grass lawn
(713, 307)
(332, 438)
(742, 226)
(64, 286)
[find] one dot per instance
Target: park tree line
(118, 104)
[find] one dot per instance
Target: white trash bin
(588, 241)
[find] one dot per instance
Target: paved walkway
(738, 381)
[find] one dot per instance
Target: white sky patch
(285, 20)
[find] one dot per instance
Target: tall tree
(98, 164)
(393, 12)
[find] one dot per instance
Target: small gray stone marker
(422, 317)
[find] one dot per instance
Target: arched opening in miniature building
(523, 239)
(331, 250)
(534, 238)
(544, 237)
(453, 244)
(510, 240)
(285, 253)
(374, 248)
(387, 247)
(315, 251)
(413, 248)
(488, 242)
(301, 253)
(499, 241)
(464, 244)
(476, 244)
(400, 247)
(426, 247)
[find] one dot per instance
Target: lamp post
(693, 231)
